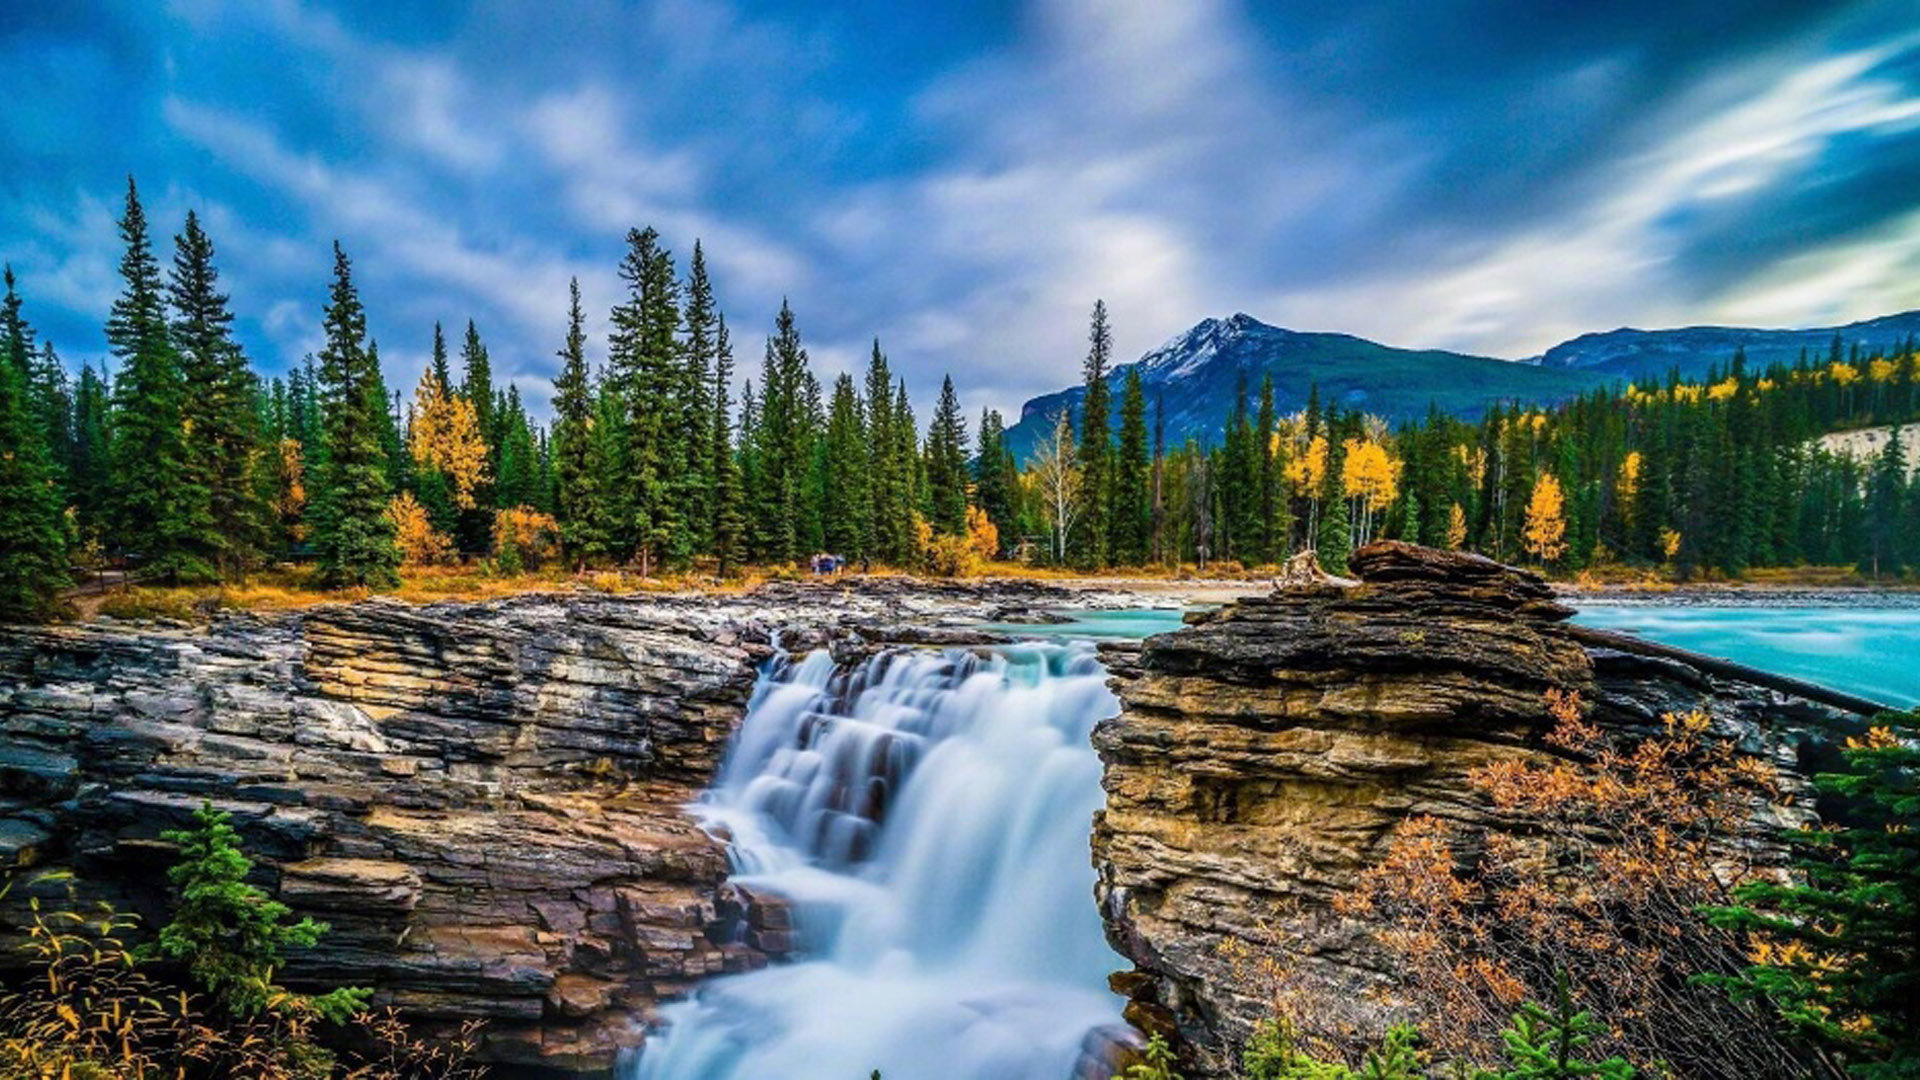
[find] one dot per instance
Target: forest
(180, 464)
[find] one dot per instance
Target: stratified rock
(485, 802)
(1268, 754)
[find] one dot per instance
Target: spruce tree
(89, 479)
(160, 510)
(218, 409)
(892, 513)
(476, 383)
(33, 548)
(1096, 443)
(995, 477)
(782, 445)
(728, 531)
(1132, 514)
(643, 356)
(1270, 534)
(576, 486)
(693, 478)
(353, 538)
(848, 502)
(441, 373)
(1336, 531)
(946, 463)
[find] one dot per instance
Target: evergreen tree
(891, 482)
(353, 537)
(441, 373)
(946, 463)
(33, 549)
(476, 383)
(1096, 442)
(693, 478)
(577, 491)
(729, 527)
(995, 476)
(1271, 532)
(519, 482)
(160, 512)
(1335, 530)
(219, 411)
(1838, 948)
(643, 355)
(89, 479)
(230, 933)
(848, 502)
(783, 444)
(1132, 512)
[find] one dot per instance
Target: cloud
(964, 182)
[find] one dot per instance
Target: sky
(963, 180)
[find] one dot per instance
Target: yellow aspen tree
(1456, 527)
(1305, 471)
(1371, 477)
(1627, 488)
(419, 542)
(446, 437)
(1546, 529)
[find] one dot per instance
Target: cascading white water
(926, 815)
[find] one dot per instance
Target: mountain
(1631, 354)
(1195, 376)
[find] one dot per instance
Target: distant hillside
(1629, 353)
(1195, 375)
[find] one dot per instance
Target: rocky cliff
(1269, 753)
(485, 801)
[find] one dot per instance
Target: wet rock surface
(486, 801)
(1267, 754)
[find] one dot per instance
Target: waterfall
(925, 814)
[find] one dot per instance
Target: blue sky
(964, 179)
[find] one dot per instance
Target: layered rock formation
(485, 801)
(1270, 753)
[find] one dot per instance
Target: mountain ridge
(1195, 374)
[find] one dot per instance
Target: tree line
(1722, 474)
(185, 465)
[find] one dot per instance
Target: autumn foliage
(420, 543)
(1616, 847)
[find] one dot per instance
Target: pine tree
(693, 480)
(946, 463)
(441, 373)
(1271, 535)
(1335, 529)
(33, 549)
(218, 411)
(89, 480)
(643, 356)
(352, 535)
(577, 487)
(1837, 950)
(1096, 442)
(230, 933)
(783, 444)
(848, 502)
(1132, 514)
(1550, 1044)
(518, 486)
(729, 521)
(995, 476)
(891, 481)
(160, 513)
(476, 381)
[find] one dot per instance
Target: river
(925, 815)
